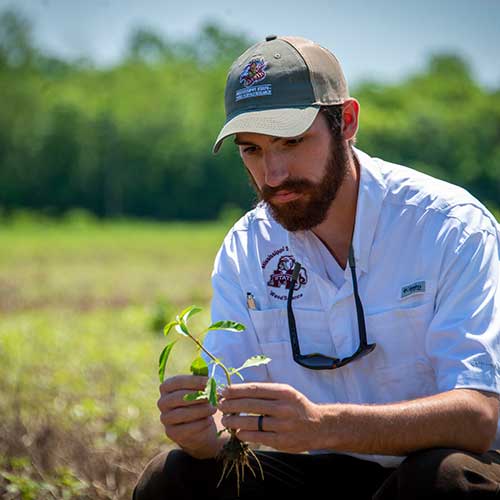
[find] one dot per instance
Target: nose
(275, 169)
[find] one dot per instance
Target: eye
(248, 150)
(294, 141)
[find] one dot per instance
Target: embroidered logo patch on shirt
(281, 276)
(412, 289)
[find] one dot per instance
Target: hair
(333, 115)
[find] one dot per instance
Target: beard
(312, 207)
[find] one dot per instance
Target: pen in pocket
(251, 301)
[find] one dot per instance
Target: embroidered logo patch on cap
(412, 289)
(253, 72)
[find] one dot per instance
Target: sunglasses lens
(318, 362)
(322, 362)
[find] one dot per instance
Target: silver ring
(259, 423)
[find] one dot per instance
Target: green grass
(110, 264)
(81, 308)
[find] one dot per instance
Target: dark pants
(434, 473)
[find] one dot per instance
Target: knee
(433, 473)
(164, 476)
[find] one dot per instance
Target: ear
(350, 116)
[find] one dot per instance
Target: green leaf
(169, 326)
(163, 359)
(199, 367)
(254, 361)
(211, 391)
(194, 396)
(182, 328)
(231, 326)
(188, 312)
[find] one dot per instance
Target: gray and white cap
(277, 86)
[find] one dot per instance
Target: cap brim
(283, 122)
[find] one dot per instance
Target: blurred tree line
(135, 139)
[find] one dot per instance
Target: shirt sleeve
(229, 303)
(463, 339)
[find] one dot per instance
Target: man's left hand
(291, 422)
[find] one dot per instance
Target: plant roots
(235, 455)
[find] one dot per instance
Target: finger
(258, 406)
(250, 423)
(190, 432)
(185, 415)
(264, 390)
(194, 382)
(176, 399)
(271, 439)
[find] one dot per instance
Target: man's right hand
(193, 425)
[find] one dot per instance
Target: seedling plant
(235, 453)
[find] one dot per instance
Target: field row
(82, 310)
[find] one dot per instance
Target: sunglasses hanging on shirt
(317, 361)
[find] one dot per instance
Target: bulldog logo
(282, 275)
(253, 72)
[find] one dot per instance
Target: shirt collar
(371, 195)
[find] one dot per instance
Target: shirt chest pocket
(271, 327)
(400, 334)
(399, 366)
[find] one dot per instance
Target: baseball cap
(277, 86)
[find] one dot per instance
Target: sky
(382, 40)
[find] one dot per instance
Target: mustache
(295, 185)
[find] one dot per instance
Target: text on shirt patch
(273, 254)
(417, 287)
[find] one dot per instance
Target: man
(373, 288)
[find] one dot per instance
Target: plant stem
(216, 361)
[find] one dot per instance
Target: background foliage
(83, 298)
(135, 139)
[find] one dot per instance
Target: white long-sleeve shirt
(428, 269)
